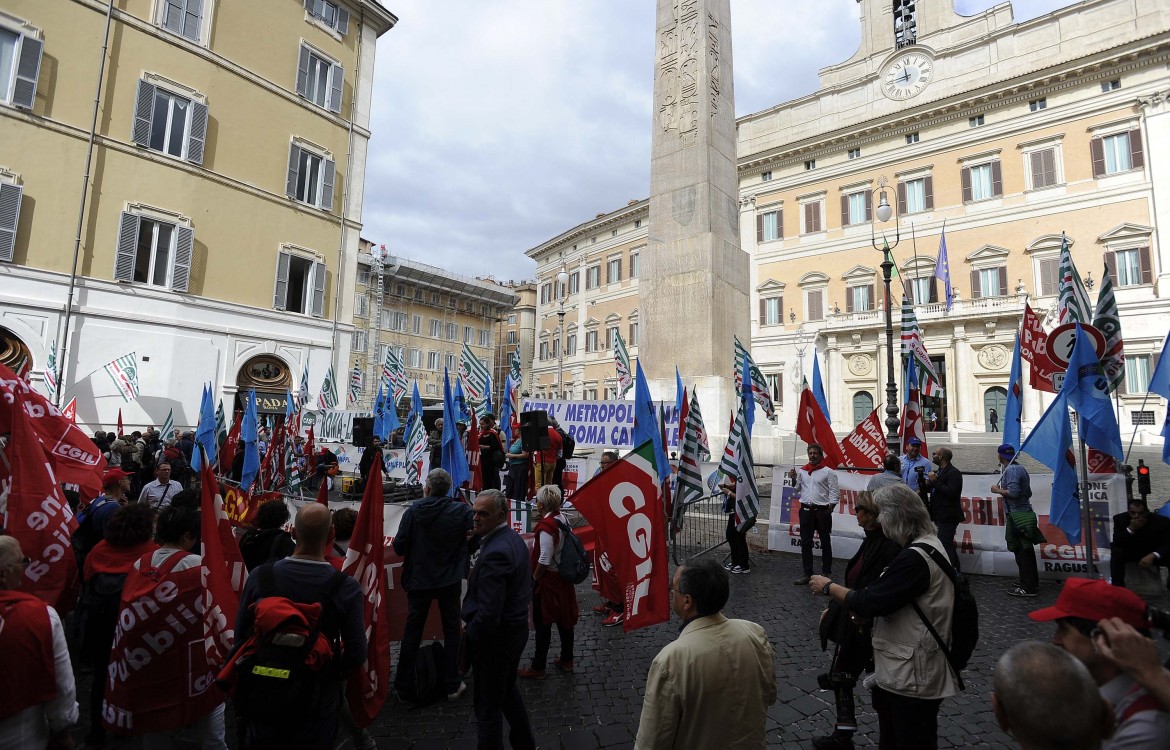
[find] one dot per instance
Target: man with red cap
(91, 521)
(1082, 604)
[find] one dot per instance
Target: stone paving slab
(598, 706)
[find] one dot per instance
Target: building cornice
(630, 212)
(1018, 89)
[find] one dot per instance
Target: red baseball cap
(1095, 600)
(114, 475)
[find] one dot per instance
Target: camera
(833, 680)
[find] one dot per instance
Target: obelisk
(694, 285)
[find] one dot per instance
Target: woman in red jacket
(554, 599)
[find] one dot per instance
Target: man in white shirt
(818, 492)
(159, 493)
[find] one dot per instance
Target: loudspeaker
(363, 432)
(534, 430)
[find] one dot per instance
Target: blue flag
(1160, 384)
(454, 457)
(646, 424)
(379, 410)
(205, 432)
(416, 402)
(390, 420)
(488, 396)
(1015, 399)
(1087, 390)
(248, 429)
(506, 412)
(288, 407)
(460, 402)
(678, 392)
(1051, 444)
(746, 395)
(818, 387)
(942, 270)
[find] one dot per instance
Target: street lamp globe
(562, 276)
(884, 211)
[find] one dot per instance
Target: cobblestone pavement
(598, 706)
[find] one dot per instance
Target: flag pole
(914, 249)
(1135, 427)
(1087, 510)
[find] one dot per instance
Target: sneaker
(803, 581)
(615, 618)
(601, 609)
(565, 665)
(1019, 591)
(834, 741)
(459, 691)
(740, 569)
(728, 566)
(531, 674)
(365, 742)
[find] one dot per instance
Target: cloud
(499, 125)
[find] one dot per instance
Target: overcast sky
(499, 124)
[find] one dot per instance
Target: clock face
(907, 76)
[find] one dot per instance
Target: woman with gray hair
(912, 674)
(554, 599)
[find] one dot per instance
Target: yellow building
(1007, 134)
(191, 184)
(599, 300)
(427, 315)
(516, 332)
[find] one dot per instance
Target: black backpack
(430, 668)
(86, 536)
(568, 444)
(574, 563)
(964, 617)
(97, 613)
(275, 686)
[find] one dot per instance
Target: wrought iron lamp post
(883, 213)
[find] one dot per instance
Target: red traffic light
(1143, 471)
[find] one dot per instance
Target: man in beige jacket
(712, 686)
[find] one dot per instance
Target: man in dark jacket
(1138, 536)
(496, 612)
(491, 452)
(432, 539)
(945, 485)
(369, 455)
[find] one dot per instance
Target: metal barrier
(698, 527)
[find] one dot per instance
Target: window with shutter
(127, 247)
(319, 79)
(1043, 168)
(816, 310)
(318, 290)
(901, 198)
(310, 178)
(280, 293)
(197, 135)
(20, 61)
(327, 180)
(10, 197)
(1048, 279)
(965, 176)
(181, 270)
(996, 179)
(768, 226)
(184, 18)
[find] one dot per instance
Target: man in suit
(945, 485)
(712, 686)
(1138, 536)
(496, 612)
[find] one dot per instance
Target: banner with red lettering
(865, 447)
(604, 580)
(240, 507)
(74, 457)
(37, 514)
(626, 512)
(365, 562)
(980, 540)
(227, 452)
(70, 410)
(224, 572)
(1034, 348)
(160, 676)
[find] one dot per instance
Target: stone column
(694, 290)
(966, 404)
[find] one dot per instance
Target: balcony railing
(926, 313)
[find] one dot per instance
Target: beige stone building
(516, 331)
(427, 314)
(599, 299)
(202, 213)
(1009, 134)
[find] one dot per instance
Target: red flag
(1034, 348)
(473, 455)
(912, 425)
(365, 562)
(70, 410)
(866, 445)
(224, 573)
(73, 456)
(227, 454)
(682, 420)
(121, 430)
(38, 516)
(272, 467)
(623, 506)
(813, 427)
(323, 491)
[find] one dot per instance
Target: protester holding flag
(170, 695)
(818, 492)
(491, 452)
(1022, 530)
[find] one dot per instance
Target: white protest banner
(336, 426)
(602, 424)
(980, 538)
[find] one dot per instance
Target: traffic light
(1143, 478)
